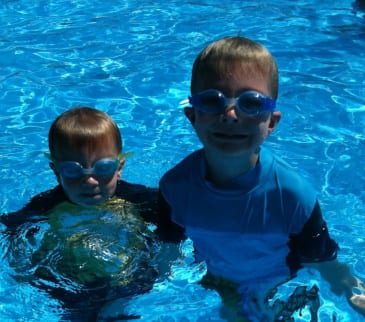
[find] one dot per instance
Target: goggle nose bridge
(230, 102)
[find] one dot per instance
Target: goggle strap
(48, 156)
(185, 103)
(125, 155)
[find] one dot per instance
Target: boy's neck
(225, 167)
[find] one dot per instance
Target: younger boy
(85, 155)
(251, 218)
(96, 247)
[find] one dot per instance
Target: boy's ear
(274, 120)
(121, 165)
(190, 114)
(52, 166)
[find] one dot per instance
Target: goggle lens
(250, 103)
(105, 167)
(212, 102)
(70, 170)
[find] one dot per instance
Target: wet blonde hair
(226, 55)
(83, 128)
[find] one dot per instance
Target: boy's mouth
(90, 195)
(230, 136)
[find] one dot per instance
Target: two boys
(253, 220)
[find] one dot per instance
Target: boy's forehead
(234, 79)
(81, 150)
(224, 71)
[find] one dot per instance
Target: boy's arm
(313, 247)
(154, 209)
(339, 276)
(313, 244)
(167, 230)
(35, 209)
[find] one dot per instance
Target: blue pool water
(132, 59)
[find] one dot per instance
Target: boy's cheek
(112, 184)
(205, 118)
(190, 114)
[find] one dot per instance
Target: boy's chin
(90, 202)
(234, 150)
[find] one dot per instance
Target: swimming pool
(132, 59)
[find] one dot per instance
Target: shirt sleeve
(313, 244)
(167, 230)
(145, 198)
(35, 210)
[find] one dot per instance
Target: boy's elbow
(167, 229)
(173, 234)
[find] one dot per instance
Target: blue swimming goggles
(73, 170)
(213, 101)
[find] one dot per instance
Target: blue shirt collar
(248, 180)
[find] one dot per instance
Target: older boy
(251, 218)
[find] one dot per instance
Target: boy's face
(233, 132)
(90, 189)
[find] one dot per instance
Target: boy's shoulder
(291, 183)
(141, 196)
(190, 163)
(289, 175)
(135, 193)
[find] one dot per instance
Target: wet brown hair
(234, 53)
(82, 128)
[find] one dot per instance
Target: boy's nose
(89, 179)
(230, 114)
